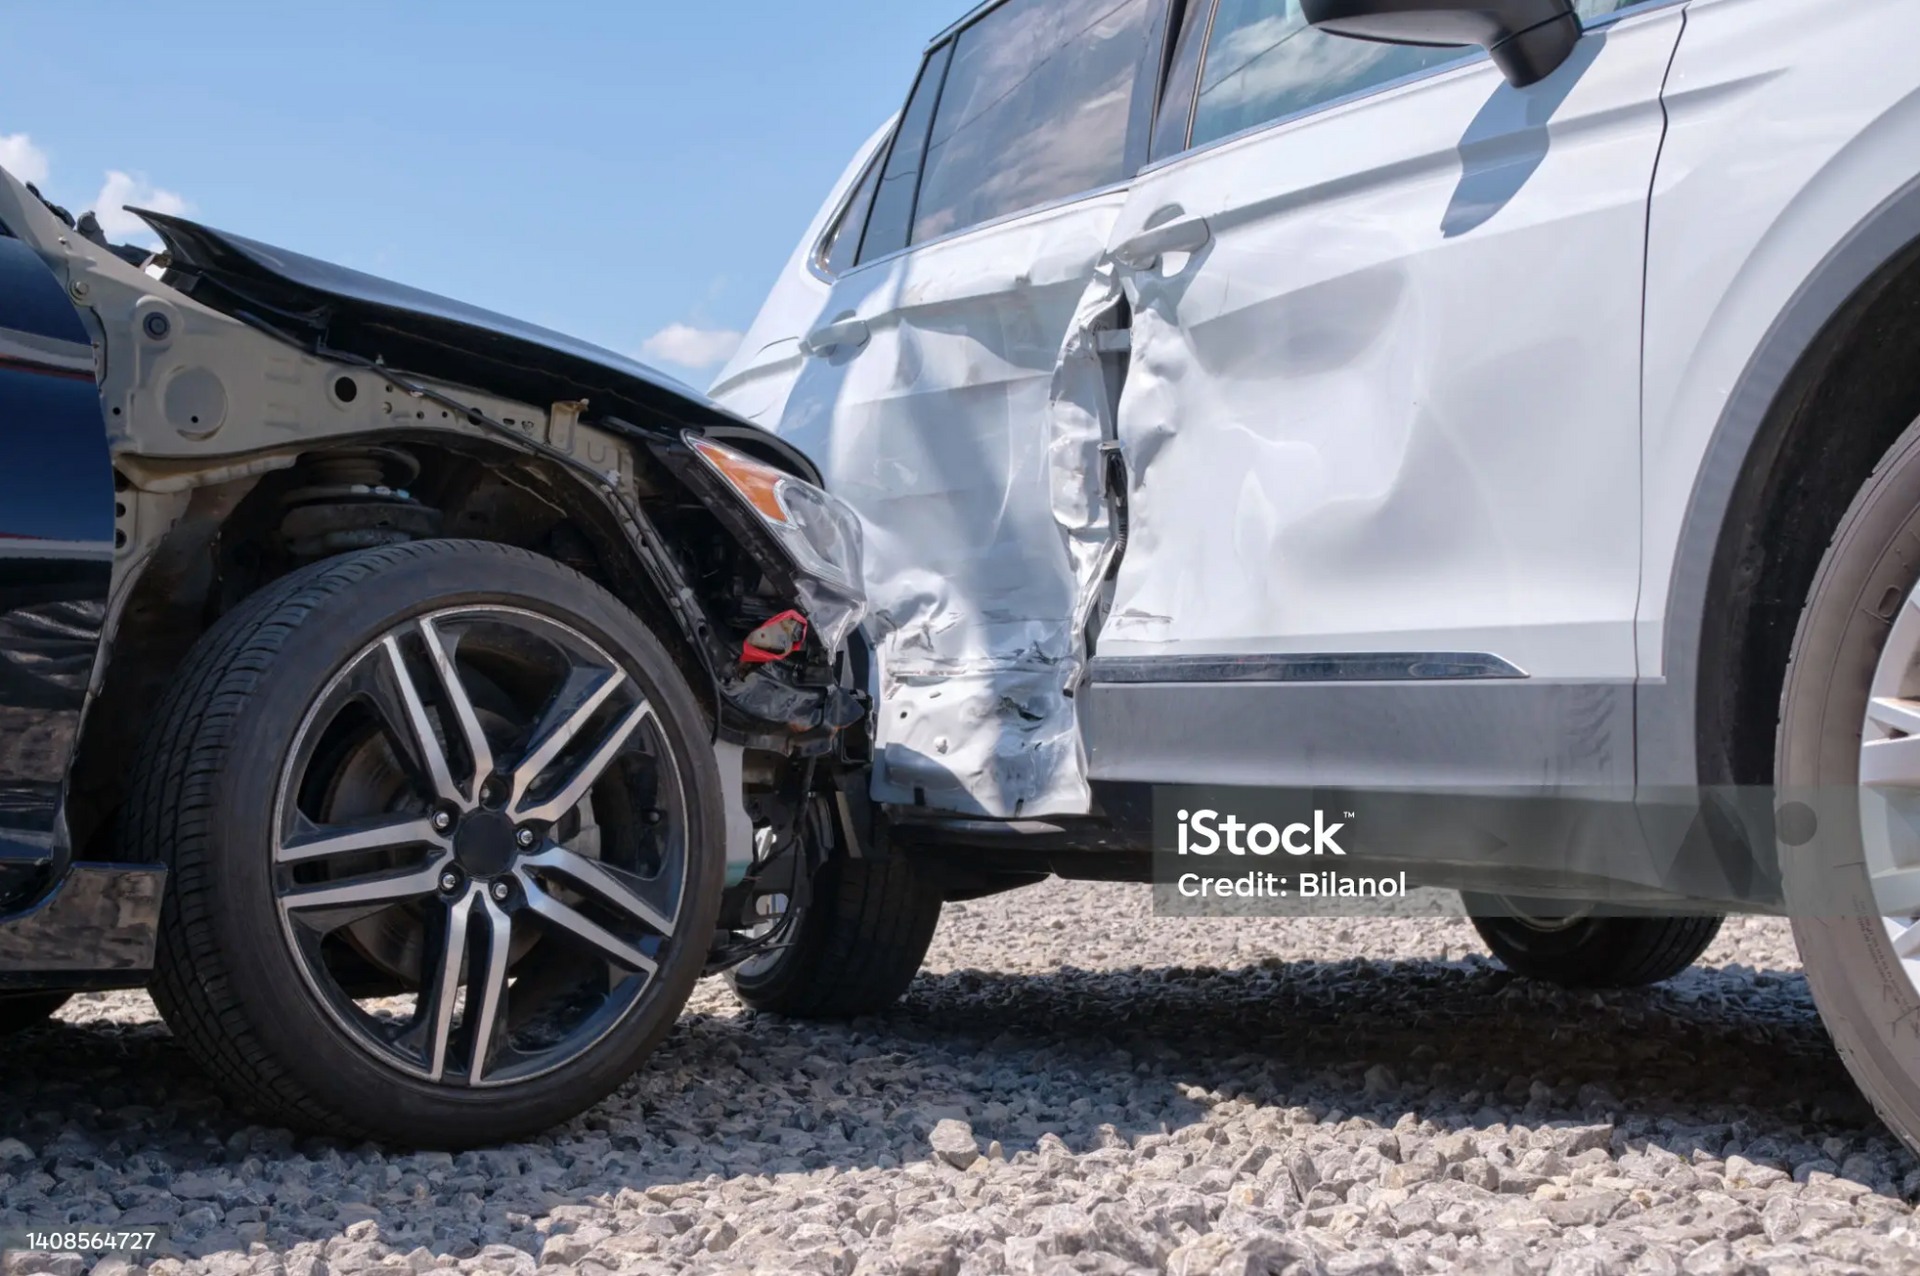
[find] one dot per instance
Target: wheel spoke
(478, 749)
(1896, 713)
(591, 933)
(589, 770)
(604, 882)
(332, 840)
(446, 984)
(343, 902)
(562, 735)
(1906, 945)
(517, 954)
(429, 745)
(485, 1003)
(1891, 763)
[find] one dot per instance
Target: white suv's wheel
(1850, 716)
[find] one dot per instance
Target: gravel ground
(1072, 1086)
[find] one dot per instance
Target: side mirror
(1527, 39)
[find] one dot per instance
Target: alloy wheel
(479, 846)
(1890, 787)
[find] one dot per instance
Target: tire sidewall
(279, 1004)
(1870, 1006)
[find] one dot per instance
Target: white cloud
(691, 347)
(126, 188)
(19, 156)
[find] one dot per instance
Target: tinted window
(1037, 107)
(893, 201)
(838, 249)
(1263, 62)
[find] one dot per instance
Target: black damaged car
(418, 702)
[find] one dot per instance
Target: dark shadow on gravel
(1463, 1043)
(1719, 1060)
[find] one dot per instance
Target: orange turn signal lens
(753, 479)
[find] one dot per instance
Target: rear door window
(1038, 106)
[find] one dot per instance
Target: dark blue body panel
(56, 547)
(31, 299)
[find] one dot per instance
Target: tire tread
(1614, 952)
(859, 954)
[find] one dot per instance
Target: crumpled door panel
(1389, 399)
(942, 431)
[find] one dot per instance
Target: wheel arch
(1770, 490)
(197, 571)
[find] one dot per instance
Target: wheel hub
(483, 843)
(517, 941)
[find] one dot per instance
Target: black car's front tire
(445, 838)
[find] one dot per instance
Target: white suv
(1232, 400)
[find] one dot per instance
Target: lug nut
(525, 837)
(449, 880)
(500, 891)
(442, 821)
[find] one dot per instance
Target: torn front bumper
(95, 928)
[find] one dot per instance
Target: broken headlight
(819, 531)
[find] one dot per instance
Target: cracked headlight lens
(819, 531)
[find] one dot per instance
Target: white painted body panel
(938, 433)
(1790, 122)
(1349, 429)
(1429, 387)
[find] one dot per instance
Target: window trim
(1149, 83)
(1473, 59)
(965, 20)
(1199, 73)
(886, 156)
(817, 256)
(926, 147)
(1051, 206)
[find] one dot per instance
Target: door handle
(827, 338)
(1183, 235)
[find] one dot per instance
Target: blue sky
(607, 169)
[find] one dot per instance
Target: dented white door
(927, 405)
(1385, 369)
